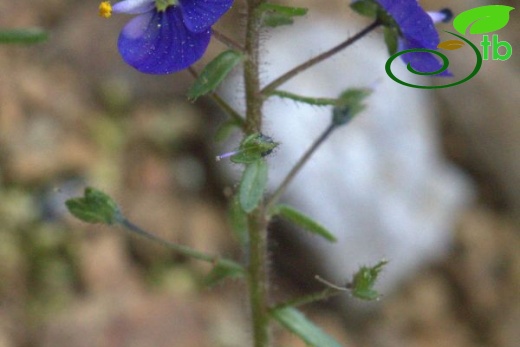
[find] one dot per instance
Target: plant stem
(296, 168)
(307, 299)
(228, 41)
(184, 250)
(254, 98)
(310, 100)
(267, 90)
(258, 277)
(257, 221)
(237, 118)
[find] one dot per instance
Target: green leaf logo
(483, 19)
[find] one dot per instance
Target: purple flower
(166, 36)
(415, 29)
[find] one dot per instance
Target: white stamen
(443, 15)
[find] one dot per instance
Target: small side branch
(267, 90)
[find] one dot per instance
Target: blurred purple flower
(416, 30)
(166, 36)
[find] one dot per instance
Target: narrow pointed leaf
(277, 15)
(305, 99)
(253, 184)
(214, 73)
(391, 39)
(238, 221)
(23, 36)
(298, 218)
(366, 8)
(483, 19)
(349, 104)
(221, 271)
(225, 130)
(294, 321)
(290, 11)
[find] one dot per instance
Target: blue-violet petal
(200, 15)
(159, 43)
(417, 30)
(421, 61)
(414, 23)
(133, 6)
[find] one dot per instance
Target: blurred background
(73, 114)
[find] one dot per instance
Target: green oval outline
(445, 65)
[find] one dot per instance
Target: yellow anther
(105, 9)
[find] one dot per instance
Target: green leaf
(363, 282)
(391, 39)
(275, 19)
(225, 130)
(253, 184)
(349, 104)
(294, 321)
(238, 221)
(298, 218)
(366, 8)
(95, 207)
(252, 148)
(221, 271)
(277, 15)
(304, 99)
(483, 19)
(290, 11)
(23, 36)
(214, 73)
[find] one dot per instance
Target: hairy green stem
(267, 90)
(228, 41)
(258, 278)
(307, 299)
(237, 118)
(257, 222)
(254, 98)
(184, 250)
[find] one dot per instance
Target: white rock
(379, 184)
